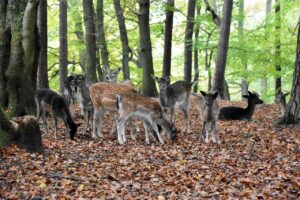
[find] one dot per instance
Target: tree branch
(215, 16)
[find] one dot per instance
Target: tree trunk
(243, 53)
(42, 76)
(4, 53)
(23, 131)
(168, 38)
(101, 35)
(277, 48)
(221, 58)
(196, 64)
(90, 35)
(264, 81)
(124, 39)
(148, 87)
(292, 114)
(63, 44)
(19, 79)
(188, 43)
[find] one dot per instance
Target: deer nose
(106, 78)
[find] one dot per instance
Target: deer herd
(127, 106)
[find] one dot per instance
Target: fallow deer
(111, 76)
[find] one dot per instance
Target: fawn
(237, 113)
(135, 105)
(50, 101)
(281, 100)
(87, 109)
(103, 97)
(175, 95)
(208, 109)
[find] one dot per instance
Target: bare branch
(215, 16)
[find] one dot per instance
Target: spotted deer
(208, 111)
(148, 110)
(281, 100)
(103, 97)
(48, 101)
(175, 95)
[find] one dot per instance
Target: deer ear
(203, 93)
(245, 96)
(119, 69)
(105, 68)
(168, 78)
(155, 78)
(215, 95)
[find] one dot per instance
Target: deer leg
(54, 123)
(45, 122)
(95, 122)
(132, 129)
(184, 109)
(216, 132)
(100, 116)
(154, 126)
(202, 131)
(147, 129)
(121, 129)
(114, 124)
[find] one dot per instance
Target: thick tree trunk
(219, 81)
(124, 39)
(188, 43)
(292, 114)
(264, 81)
(42, 76)
(19, 83)
(63, 44)
(23, 131)
(277, 48)
(148, 87)
(196, 64)
(90, 35)
(101, 36)
(4, 53)
(243, 53)
(168, 38)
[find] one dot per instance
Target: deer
(208, 111)
(148, 110)
(112, 76)
(103, 97)
(281, 100)
(238, 113)
(175, 95)
(48, 101)
(87, 109)
(68, 92)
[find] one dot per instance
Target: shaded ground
(255, 160)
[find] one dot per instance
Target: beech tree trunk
(277, 48)
(90, 35)
(168, 38)
(219, 81)
(4, 53)
(188, 43)
(148, 87)
(124, 39)
(63, 44)
(292, 114)
(42, 76)
(196, 64)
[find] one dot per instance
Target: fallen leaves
(256, 160)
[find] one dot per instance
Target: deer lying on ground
(84, 98)
(103, 97)
(50, 101)
(112, 76)
(134, 105)
(281, 100)
(209, 110)
(175, 95)
(237, 113)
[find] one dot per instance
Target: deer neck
(250, 108)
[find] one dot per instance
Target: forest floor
(256, 160)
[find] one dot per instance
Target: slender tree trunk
(4, 49)
(292, 114)
(243, 55)
(168, 38)
(219, 81)
(196, 64)
(124, 39)
(88, 12)
(208, 65)
(277, 48)
(101, 35)
(42, 76)
(188, 43)
(63, 44)
(148, 87)
(264, 81)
